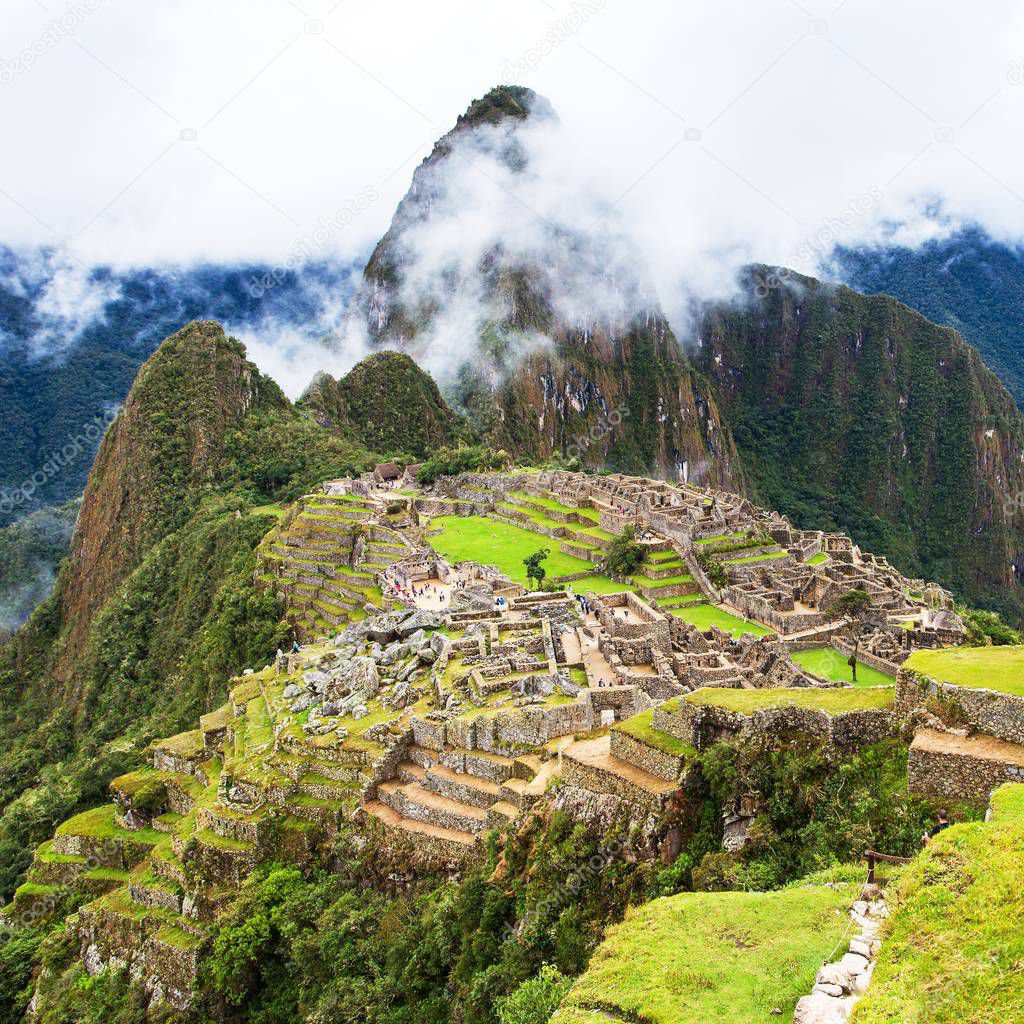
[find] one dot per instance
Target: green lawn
(991, 668)
(600, 585)
(711, 958)
(819, 559)
(833, 700)
(828, 663)
(479, 539)
(668, 581)
(704, 616)
(954, 948)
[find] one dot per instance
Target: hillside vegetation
(855, 411)
(955, 948)
(156, 607)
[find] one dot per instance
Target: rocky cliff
(855, 411)
(546, 334)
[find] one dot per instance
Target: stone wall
(988, 711)
(970, 772)
(703, 724)
(648, 758)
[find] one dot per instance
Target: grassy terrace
(828, 663)
(991, 668)
(704, 616)
(711, 958)
(954, 949)
(491, 542)
(834, 701)
(600, 585)
(556, 506)
(640, 727)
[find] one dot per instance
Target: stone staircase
(454, 796)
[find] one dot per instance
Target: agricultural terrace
(832, 700)
(990, 668)
(704, 616)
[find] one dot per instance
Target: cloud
(702, 136)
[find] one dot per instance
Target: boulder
(393, 652)
(419, 619)
(853, 964)
(291, 691)
(819, 1008)
(316, 681)
(307, 700)
(383, 629)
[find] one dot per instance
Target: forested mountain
(967, 280)
(73, 338)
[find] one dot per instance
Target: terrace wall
(656, 762)
(958, 775)
(701, 725)
(996, 714)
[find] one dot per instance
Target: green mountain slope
(854, 411)
(388, 402)
(968, 281)
(156, 607)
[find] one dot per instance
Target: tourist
(295, 647)
(943, 824)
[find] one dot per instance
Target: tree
(534, 569)
(625, 555)
(855, 606)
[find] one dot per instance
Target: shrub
(535, 1000)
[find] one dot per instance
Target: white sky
(794, 110)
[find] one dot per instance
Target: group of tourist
(393, 588)
(584, 605)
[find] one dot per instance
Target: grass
(556, 506)
(99, 823)
(641, 728)
(578, 676)
(828, 663)
(819, 559)
(711, 958)
(600, 585)
(954, 948)
(757, 558)
(668, 581)
(991, 668)
(479, 539)
(704, 616)
(833, 700)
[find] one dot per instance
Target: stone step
(481, 763)
(947, 766)
(502, 814)
(591, 765)
(392, 819)
(408, 771)
(468, 789)
(422, 757)
(411, 800)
